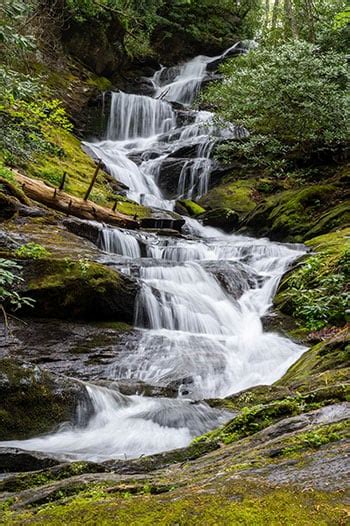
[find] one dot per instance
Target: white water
(201, 337)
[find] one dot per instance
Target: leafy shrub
(32, 251)
(24, 128)
(292, 99)
(8, 279)
(320, 295)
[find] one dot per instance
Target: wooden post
(93, 180)
(69, 206)
(63, 180)
(115, 205)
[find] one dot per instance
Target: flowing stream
(202, 295)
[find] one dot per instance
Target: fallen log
(71, 205)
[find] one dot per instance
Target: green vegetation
(242, 502)
(193, 209)
(316, 438)
(258, 416)
(292, 99)
(145, 26)
(317, 292)
(32, 251)
(9, 277)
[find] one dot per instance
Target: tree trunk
(71, 205)
(290, 18)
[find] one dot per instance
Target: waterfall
(118, 242)
(202, 297)
(135, 116)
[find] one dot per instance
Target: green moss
(236, 195)
(194, 209)
(101, 83)
(30, 403)
(28, 480)
(332, 355)
(317, 437)
(257, 416)
(298, 214)
(251, 420)
(78, 166)
(245, 503)
(338, 216)
(131, 208)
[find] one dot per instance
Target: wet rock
(86, 229)
(75, 349)
(326, 415)
(221, 218)
(163, 220)
(14, 460)
(169, 176)
(7, 242)
(234, 277)
(34, 401)
(186, 151)
(31, 211)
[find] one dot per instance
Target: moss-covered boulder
(238, 195)
(324, 364)
(188, 207)
(34, 401)
(296, 215)
(67, 289)
(223, 218)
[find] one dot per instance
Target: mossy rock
(223, 218)
(189, 207)
(296, 215)
(34, 401)
(237, 195)
(79, 168)
(67, 289)
(332, 355)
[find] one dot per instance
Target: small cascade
(135, 116)
(117, 241)
(124, 427)
(202, 296)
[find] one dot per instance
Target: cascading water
(202, 297)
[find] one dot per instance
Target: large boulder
(68, 289)
(34, 401)
(223, 218)
(296, 215)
